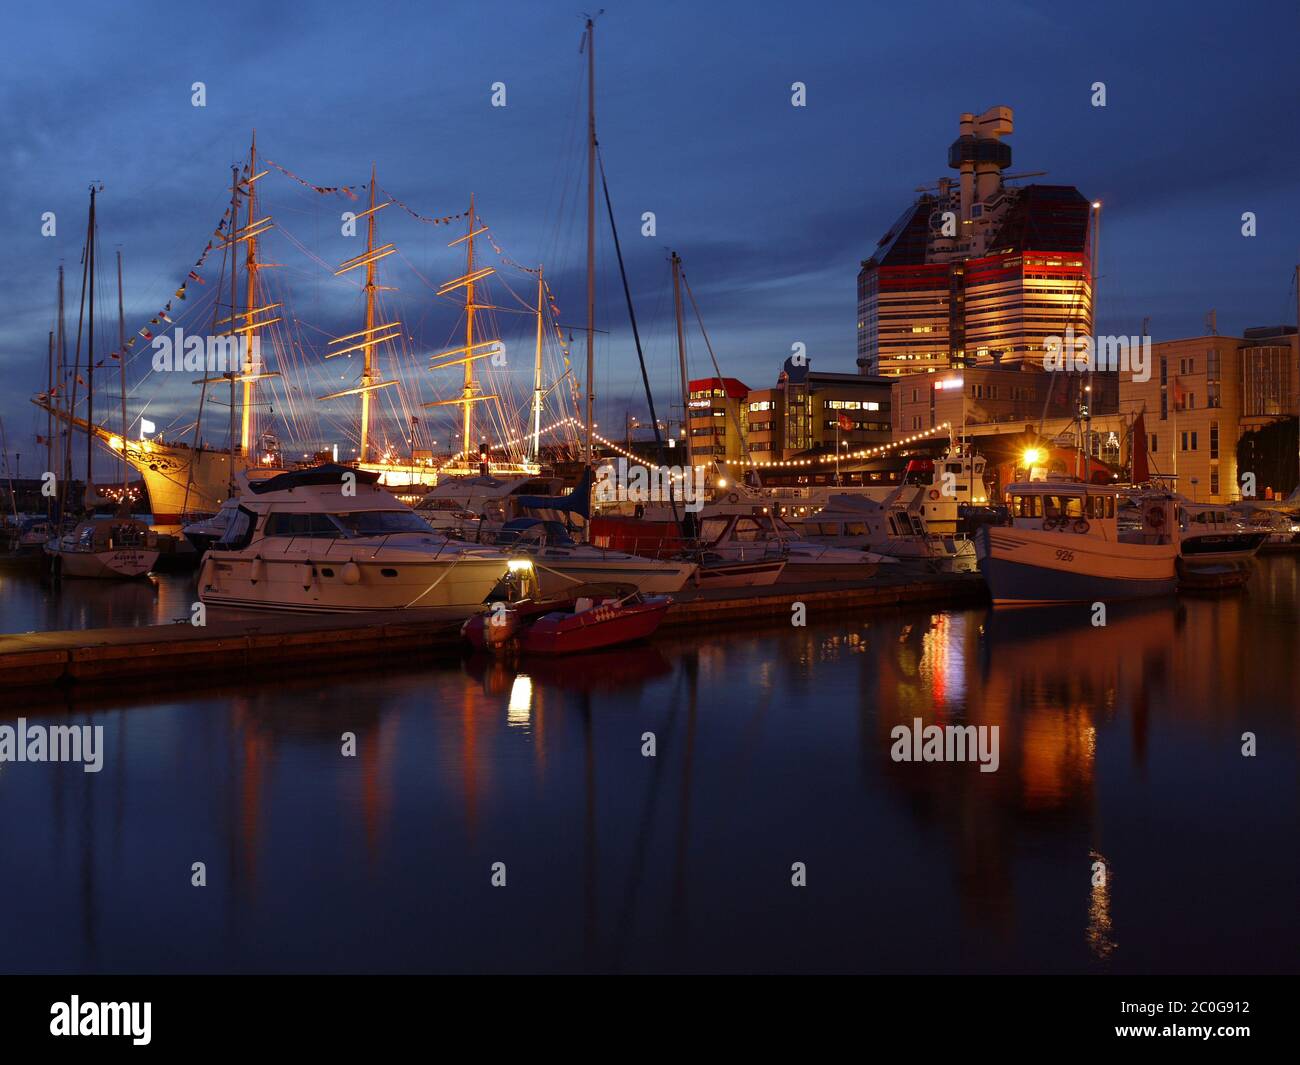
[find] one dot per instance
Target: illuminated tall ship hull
(180, 479)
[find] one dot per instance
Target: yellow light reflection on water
(519, 711)
(1100, 941)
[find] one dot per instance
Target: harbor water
(511, 816)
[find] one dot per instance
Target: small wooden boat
(594, 617)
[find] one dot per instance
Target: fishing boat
(300, 542)
(1216, 550)
(559, 564)
(1064, 546)
(591, 618)
(105, 549)
(889, 528)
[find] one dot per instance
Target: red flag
(846, 423)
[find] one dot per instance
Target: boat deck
(177, 655)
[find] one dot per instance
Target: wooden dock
(181, 654)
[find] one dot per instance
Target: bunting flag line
(442, 220)
(348, 190)
(534, 270)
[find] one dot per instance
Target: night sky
(772, 207)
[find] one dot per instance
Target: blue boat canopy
(576, 502)
(329, 473)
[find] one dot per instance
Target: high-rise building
(976, 271)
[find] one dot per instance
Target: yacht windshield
(381, 522)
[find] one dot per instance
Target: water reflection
(1118, 744)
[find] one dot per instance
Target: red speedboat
(591, 618)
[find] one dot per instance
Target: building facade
(716, 419)
(1204, 393)
(976, 272)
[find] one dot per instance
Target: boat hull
(1025, 566)
(557, 576)
(545, 627)
(739, 574)
(322, 587)
(119, 564)
(805, 572)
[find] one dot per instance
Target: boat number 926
(1064, 556)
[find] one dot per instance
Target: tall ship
(233, 338)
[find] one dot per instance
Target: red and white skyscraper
(976, 271)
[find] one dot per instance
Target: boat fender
(351, 573)
(258, 569)
(733, 497)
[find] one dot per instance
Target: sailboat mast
(537, 372)
(591, 231)
(49, 414)
(369, 348)
(234, 310)
(249, 330)
(681, 354)
(467, 396)
(121, 355)
(90, 348)
(65, 431)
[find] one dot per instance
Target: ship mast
(591, 229)
(90, 346)
(49, 415)
(65, 430)
(368, 339)
(250, 302)
(250, 331)
(470, 391)
(121, 355)
(681, 355)
(537, 372)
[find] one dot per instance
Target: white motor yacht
(329, 539)
(1216, 548)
